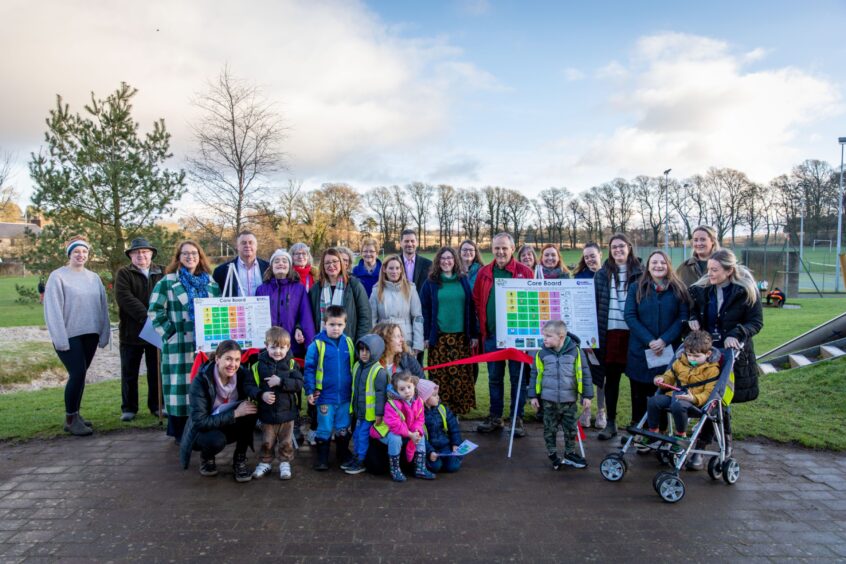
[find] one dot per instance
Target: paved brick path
(122, 496)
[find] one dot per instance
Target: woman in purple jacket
(289, 305)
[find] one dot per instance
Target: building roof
(13, 230)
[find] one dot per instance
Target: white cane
(516, 407)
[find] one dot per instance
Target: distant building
(13, 237)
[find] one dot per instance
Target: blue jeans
(361, 438)
(448, 464)
(394, 443)
(496, 383)
(332, 417)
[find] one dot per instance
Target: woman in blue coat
(656, 310)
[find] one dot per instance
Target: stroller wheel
(613, 467)
(670, 487)
(731, 471)
(715, 469)
(657, 478)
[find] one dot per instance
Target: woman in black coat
(211, 425)
(612, 284)
(727, 305)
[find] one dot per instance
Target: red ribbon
(502, 354)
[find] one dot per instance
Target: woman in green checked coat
(188, 276)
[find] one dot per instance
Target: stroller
(668, 484)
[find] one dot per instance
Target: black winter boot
(239, 467)
(322, 462)
(342, 450)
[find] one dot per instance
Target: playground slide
(831, 330)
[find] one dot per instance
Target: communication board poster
(245, 320)
(523, 307)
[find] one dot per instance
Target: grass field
(15, 314)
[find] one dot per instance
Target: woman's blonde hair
(383, 278)
(740, 275)
(712, 234)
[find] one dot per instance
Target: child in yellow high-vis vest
(560, 376)
(369, 385)
(443, 435)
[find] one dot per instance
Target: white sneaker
(584, 420)
(284, 470)
(262, 470)
(601, 419)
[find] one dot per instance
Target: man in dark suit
(416, 267)
(249, 269)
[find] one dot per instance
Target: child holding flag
(560, 374)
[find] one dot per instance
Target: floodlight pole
(842, 141)
(667, 211)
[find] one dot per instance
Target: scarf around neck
(328, 297)
(195, 287)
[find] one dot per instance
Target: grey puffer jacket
(558, 382)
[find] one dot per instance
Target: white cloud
(475, 7)
(694, 105)
(612, 70)
(346, 83)
(573, 74)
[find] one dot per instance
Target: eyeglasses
(300, 254)
(188, 254)
(468, 251)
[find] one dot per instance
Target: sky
(525, 95)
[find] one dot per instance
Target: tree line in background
(97, 175)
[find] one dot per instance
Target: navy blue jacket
(659, 315)
(367, 279)
(438, 439)
(429, 303)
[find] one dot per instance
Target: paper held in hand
(659, 361)
(464, 448)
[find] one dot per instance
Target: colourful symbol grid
(224, 322)
(528, 312)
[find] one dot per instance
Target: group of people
(363, 329)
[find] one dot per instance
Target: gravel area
(106, 364)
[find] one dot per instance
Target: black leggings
(211, 442)
(641, 392)
(613, 371)
(77, 359)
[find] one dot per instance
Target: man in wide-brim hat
(133, 285)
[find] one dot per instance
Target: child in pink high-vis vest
(404, 419)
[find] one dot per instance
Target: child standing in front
(403, 419)
(369, 385)
(442, 433)
(328, 385)
(695, 373)
(277, 382)
(560, 375)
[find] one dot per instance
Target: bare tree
(574, 212)
(689, 204)
(341, 202)
(649, 195)
(494, 199)
(516, 208)
(381, 202)
(754, 209)
(291, 193)
(471, 213)
(593, 216)
(402, 212)
(421, 199)
(447, 212)
(238, 139)
(555, 200)
(7, 193)
(818, 189)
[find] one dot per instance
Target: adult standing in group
(133, 285)
(611, 285)
(527, 255)
(416, 267)
(471, 260)
(249, 269)
(551, 267)
(395, 300)
(289, 305)
(172, 308)
(301, 255)
(347, 258)
(704, 243)
(590, 263)
(502, 266)
(368, 267)
(222, 381)
(588, 266)
(727, 305)
(335, 287)
(656, 310)
(77, 316)
(450, 329)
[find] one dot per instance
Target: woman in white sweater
(394, 300)
(77, 317)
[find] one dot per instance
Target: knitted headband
(281, 253)
(76, 244)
